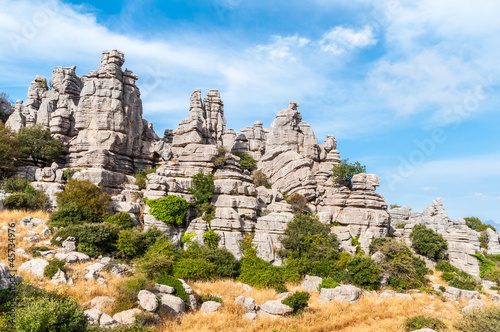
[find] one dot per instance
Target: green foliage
(378, 244)
(309, 244)
(203, 188)
(486, 320)
(260, 179)
(226, 264)
(207, 211)
(448, 276)
(298, 203)
(69, 172)
(493, 275)
(171, 209)
(92, 239)
(422, 321)
(54, 265)
(400, 225)
(168, 280)
(210, 297)
(141, 177)
(343, 172)
(84, 193)
(328, 283)
(297, 301)
(23, 195)
(445, 266)
(427, 242)
(187, 237)
(221, 157)
(464, 281)
(9, 150)
(483, 240)
(158, 259)
(63, 233)
(280, 289)
(246, 160)
(394, 206)
(122, 219)
(130, 242)
(38, 145)
(477, 225)
(364, 272)
(127, 291)
(71, 214)
(485, 266)
(194, 269)
(211, 239)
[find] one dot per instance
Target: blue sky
(409, 88)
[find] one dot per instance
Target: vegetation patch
(246, 161)
(54, 265)
(297, 301)
(423, 321)
(343, 172)
(487, 320)
(168, 280)
(427, 242)
(171, 209)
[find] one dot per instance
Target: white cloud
(282, 48)
(341, 40)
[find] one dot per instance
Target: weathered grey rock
(210, 306)
(275, 307)
(488, 284)
(35, 267)
(452, 293)
(32, 239)
(97, 267)
(6, 279)
(311, 283)
(164, 289)
(93, 316)
(59, 278)
(186, 287)
(92, 275)
(250, 315)
(493, 242)
(386, 295)
(46, 232)
(191, 302)
(172, 304)
(147, 300)
(343, 293)
(472, 305)
(403, 296)
(247, 303)
(69, 244)
(101, 302)
(106, 321)
(127, 317)
(73, 257)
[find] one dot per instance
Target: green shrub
(343, 172)
(23, 195)
(477, 225)
(378, 243)
(64, 233)
(127, 290)
(442, 288)
(54, 265)
(69, 172)
(158, 259)
(71, 214)
(37, 145)
(168, 280)
(171, 209)
(310, 244)
(95, 239)
(464, 281)
(210, 297)
(84, 193)
(221, 157)
(328, 283)
(122, 219)
(207, 211)
(9, 150)
(364, 272)
(400, 225)
(226, 264)
(394, 206)
(280, 289)
(258, 273)
(485, 265)
(298, 203)
(427, 242)
(422, 321)
(246, 160)
(445, 266)
(493, 275)
(211, 239)
(297, 301)
(202, 189)
(448, 276)
(130, 242)
(486, 320)
(194, 269)
(259, 179)
(483, 240)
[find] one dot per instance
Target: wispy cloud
(341, 40)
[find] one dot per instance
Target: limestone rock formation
(462, 241)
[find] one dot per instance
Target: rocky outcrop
(462, 240)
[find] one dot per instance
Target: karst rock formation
(98, 117)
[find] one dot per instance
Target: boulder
(59, 278)
(343, 293)
(164, 289)
(147, 300)
(311, 284)
(93, 316)
(101, 302)
(172, 304)
(472, 305)
(275, 307)
(210, 306)
(35, 267)
(127, 317)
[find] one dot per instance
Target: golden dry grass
(369, 314)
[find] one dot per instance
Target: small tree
(343, 172)
(364, 272)
(246, 160)
(171, 209)
(38, 145)
(203, 188)
(9, 150)
(427, 242)
(477, 225)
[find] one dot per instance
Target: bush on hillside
(445, 266)
(84, 194)
(246, 161)
(464, 281)
(127, 291)
(202, 189)
(298, 203)
(210, 297)
(9, 150)
(364, 272)
(92, 239)
(37, 145)
(168, 280)
(142, 176)
(221, 157)
(485, 320)
(23, 195)
(343, 172)
(477, 225)
(122, 219)
(171, 209)
(485, 266)
(328, 283)
(427, 242)
(54, 265)
(423, 321)
(211, 239)
(260, 179)
(226, 264)
(71, 214)
(158, 259)
(194, 269)
(297, 301)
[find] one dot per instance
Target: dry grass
(369, 314)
